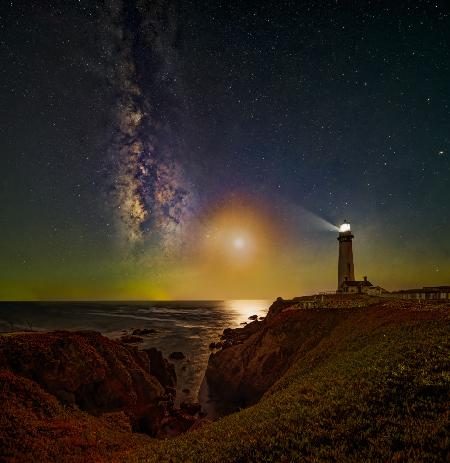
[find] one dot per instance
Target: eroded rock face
(98, 375)
(253, 358)
(278, 306)
(130, 339)
(35, 426)
(161, 368)
(143, 331)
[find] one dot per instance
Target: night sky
(208, 149)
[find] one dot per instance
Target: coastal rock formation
(177, 356)
(278, 306)
(254, 357)
(35, 426)
(95, 374)
(161, 368)
(190, 408)
(130, 339)
(143, 331)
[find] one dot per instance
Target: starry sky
(208, 149)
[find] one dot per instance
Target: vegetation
(375, 388)
(35, 427)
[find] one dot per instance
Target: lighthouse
(346, 271)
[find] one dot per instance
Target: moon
(239, 242)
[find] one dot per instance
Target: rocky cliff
(89, 372)
(253, 358)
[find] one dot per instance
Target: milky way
(151, 194)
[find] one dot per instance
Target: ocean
(186, 326)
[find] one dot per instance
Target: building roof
(426, 289)
(356, 283)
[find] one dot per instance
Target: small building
(427, 293)
(361, 287)
(355, 286)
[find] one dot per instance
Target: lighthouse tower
(346, 271)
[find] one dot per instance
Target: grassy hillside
(376, 388)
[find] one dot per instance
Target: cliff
(368, 380)
(254, 357)
(82, 379)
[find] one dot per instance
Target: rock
(278, 306)
(171, 394)
(177, 356)
(253, 357)
(36, 427)
(243, 323)
(161, 368)
(169, 402)
(130, 339)
(176, 423)
(89, 371)
(191, 408)
(238, 335)
(143, 331)
(227, 343)
(253, 317)
(171, 390)
(84, 394)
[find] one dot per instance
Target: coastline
(313, 373)
(186, 326)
